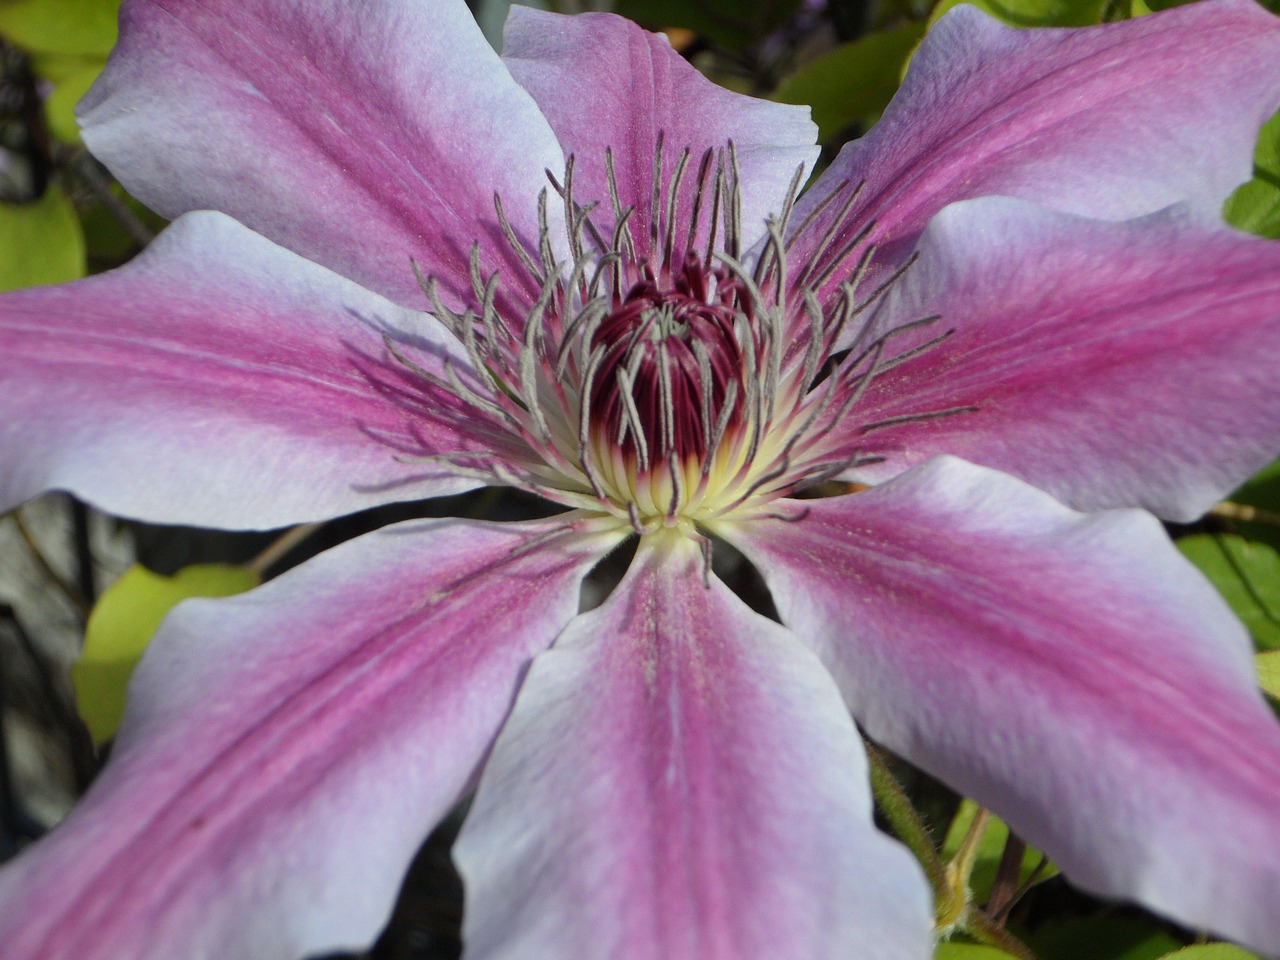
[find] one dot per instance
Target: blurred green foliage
(990, 850)
(1211, 951)
(968, 951)
(123, 622)
(731, 24)
(854, 82)
(1247, 574)
(77, 27)
(1105, 936)
(53, 51)
(1255, 206)
(40, 242)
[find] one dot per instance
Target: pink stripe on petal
(360, 135)
(286, 751)
(680, 781)
(604, 82)
(1113, 121)
(1072, 672)
(1133, 364)
(220, 380)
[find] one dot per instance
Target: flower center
(668, 383)
(667, 356)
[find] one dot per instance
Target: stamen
(655, 193)
(677, 485)
(815, 348)
(464, 392)
(529, 355)
(673, 196)
(703, 169)
(782, 468)
(722, 424)
(836, 225)
(789, 202)
(833, 264)
(486, 294)
(796, 517)
(852, 360)
(704, 544)
(632, 416)
(584, 423)
(733, 209)
(859, 386)
(916, 418)
(633, 514)
(822, 206)
(513, 241)
(706, 384)
(621, 236)
(717, 190)
(914, 352)
(544, 237)
(846, 208)
(619, 216)
(667, 405)
(676, 372)
(578, 331)
(571, 213)
(442, 313)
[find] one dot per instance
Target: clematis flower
(1008, 324)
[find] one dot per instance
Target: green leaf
(1211, 951)
(729, 23)
(990, 849)
(1033, 13)
(59, 107)
(1262, 489)
(1247, 574)
(855, 81)
(1255, 208)
(1105, 937)
(40, 242)
(1255, 205)
(1268, 666)
(61, 26)
(968, 951)
(123, 622)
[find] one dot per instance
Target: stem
(1229, 510)
(1001, 916)
(1004, 891)
(46, 568)
(87, 169)
(84, 762)
(981, 928)
(961, 866)
(86, 580)
(905, 821)
(953, 910)
(281, 546)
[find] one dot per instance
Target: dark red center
(656, 334)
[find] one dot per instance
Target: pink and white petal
(285, 752)
(359, 135)
(1112, 121)
(680, 781)
(221, 380)
(605, 83)
(1132, 364)
(1072, 672)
